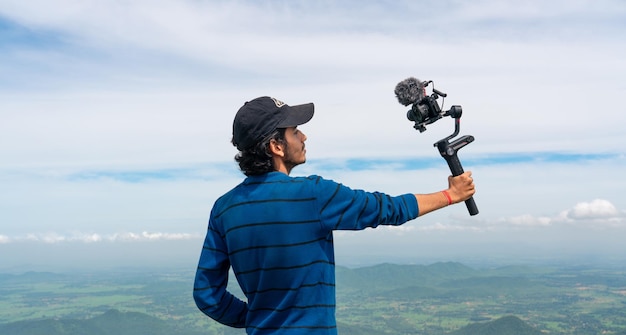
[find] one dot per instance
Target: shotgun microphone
(410, 91)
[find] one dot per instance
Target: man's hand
(461, 187)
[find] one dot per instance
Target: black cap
(258, 118)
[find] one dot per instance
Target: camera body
(427, 110)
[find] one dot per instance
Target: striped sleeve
(344, 208)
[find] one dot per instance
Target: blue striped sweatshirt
(275, 231)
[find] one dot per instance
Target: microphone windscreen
(409, 91)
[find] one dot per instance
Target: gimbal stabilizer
(448, 151)
(425, 110)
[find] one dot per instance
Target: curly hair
(258, 160)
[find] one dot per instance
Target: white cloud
(596, 213)
(55, 238)
(597, 209)
(111, 107)
(528, 220)
(451, 227)
(151, 236)
(398, 230)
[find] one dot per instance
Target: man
(276, 231)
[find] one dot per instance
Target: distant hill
(345, 329)
(386, 276)
(31, 277)
(508, 325)
(441, 280)
(112, 322)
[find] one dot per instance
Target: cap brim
(297, 115)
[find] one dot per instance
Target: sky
(116, 120)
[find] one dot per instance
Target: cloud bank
(53, 237)
(596, 214)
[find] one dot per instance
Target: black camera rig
(425, 110)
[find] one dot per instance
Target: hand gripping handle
(449, 152)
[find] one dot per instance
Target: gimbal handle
(449, 152)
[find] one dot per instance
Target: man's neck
(280, 166)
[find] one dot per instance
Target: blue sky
(117, 116)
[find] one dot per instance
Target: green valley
(437, 299)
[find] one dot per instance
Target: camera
(427, 110)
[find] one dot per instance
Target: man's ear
(276, 148)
